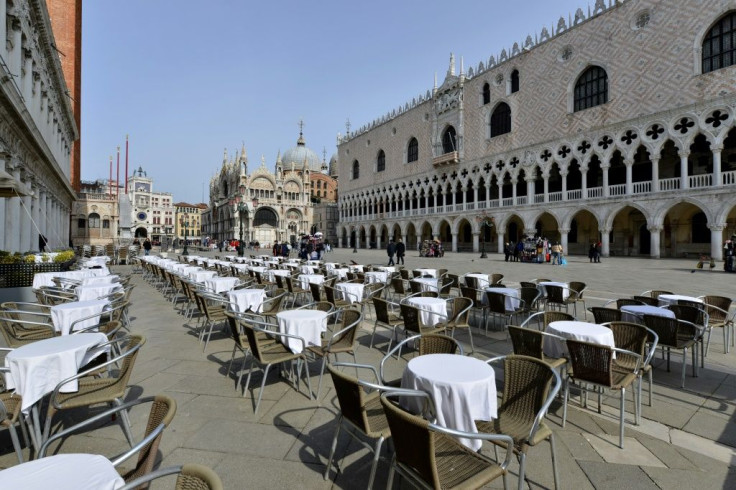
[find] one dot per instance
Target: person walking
(391, 250)
(556, 253)
(597, 255)
(147, 247)
(400, 252)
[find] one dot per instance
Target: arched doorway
(686, 231)
(625, 231)
(645, 240)
(584, 230)
(265, 226)
(464, 236)
(141, 232)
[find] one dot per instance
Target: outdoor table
(63, 472)
(314, 262)
(565, 288)
(426, 283)
(672, 299)
(574, 330)
(189, 269)
(390, 269)
(431, 310)
(341, 273)
(36, 369)
(306, 269)
(112, 278)
(307, 324)
(354, 290)
(65, 314)
(270, 273)
(47, 278)
(427, 272)
(376, 276)
(201, 276)
(94, 291)
(97, 261)
(511, 302)
(331, 265)
(483, 281)
(176, 267)
(355, 268)
(243, 300)
(306, 279)
(220, 284)
(257, 268)
(635, 313)
(463, 389)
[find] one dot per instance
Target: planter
(21, 275)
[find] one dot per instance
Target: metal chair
(386, 318)
(189, 477)
(719, 316)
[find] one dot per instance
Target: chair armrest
(274, 334)
(529, 319)
(370, 367)
(629, 353)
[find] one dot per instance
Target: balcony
(446, 159)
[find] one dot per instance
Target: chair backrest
(460, 311)
(471, 282)
(330, 294)
(496, 302)
(530, 296)
(404, 274)
(665, 328)
(527, 284)
(455, 280)
(381, 307)
(232, 323)
(416, 287)
(647, 300)
(496, 278)
(627, 302)
(397, 283)
(632, 337)
(273, 304)
(432, 343)
(655, 293)
(526, 341)
(690, 313)
(410, 314)
(605, 315)
(576, 290)
(470, 293)
(555, 294)
(162, 411)
(717, 308)
(591, 362)
(314, 289)
(527, 382)
(351, 397)
(351, 319)
(255, 340)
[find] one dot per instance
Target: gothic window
(449, 140)
(514, 81)
(94, 220)
(413, 153)
(591, 89)
(106, 223)
(719, 45)
(356, 169)
(486, 93)
(266, 216)
(501, 120)
(381, 161)
(81, 223)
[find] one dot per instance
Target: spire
(278, 157)
(462, 71)
(434, 89)
(263, 161)
(451, 69)
(224, 156)
(300, 141)
(305, 166)
(243, 154)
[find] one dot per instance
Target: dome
(297, 155)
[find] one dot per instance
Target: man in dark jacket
(400, 251)
(391, 250)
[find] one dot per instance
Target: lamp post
(488, 221)
(242, 209)
(185, 223)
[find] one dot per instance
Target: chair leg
(376, 456)
(684, 364)
(16, 442)
(334, 446)
(125, 422)
(321, 374)
(650, 387)
(391, 471)
(522, 466)
(263, 386)
(564, 403)
(622, 405)
(554, 460)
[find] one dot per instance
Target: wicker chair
(428, 343)
(213, 306)
(399, 287)
(163, 409)
(555, 298)
(592, 364)
(461, 308)
(268, 354)
(605, 315)
(496, 278)
(336, 297)
(413, 324)
(295, 290)
(325, 306)
(189, 477)
(404, 273)
(696, 316)
(431, 456)
(497, 306)
(272, 305)
(531, 297)
(93, 390)
(527, 284)
(477, 296)
(18, 333)
(10, 416)
(528, 342)
(342, 341)
(718, 308)
(360, 412)
(544, 318)
(524, 404)
(577, 290)
(647, 300)
(445, 285)
(654, 293)
(315, 289)
(385, 318)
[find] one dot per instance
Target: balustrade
(728, 178)
(574, 194)
(509, 201)
(642, 187)
(555, 196)
(669, 184)
(702, 180)
(617, 190)
(521, 200)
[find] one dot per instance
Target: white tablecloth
(47, 278)
(36, 369)
(635, 313)
(112, 278)
(354, 290)
(427, 272)
(341, 273)
(307, 324)
(376, 276)
(482, 280)
(386, 268)
(220, 284)
(463, 389)
(97, 261)
(314, 262)
(63, 472)
(511, 302)
(245, 299)
(307, 269)
(94, 291)
(427, 283)
(672, 299)
(65, 314)
(270, 273)
(330, 265)
(584, 331)
(201, 276)
(305, 279)
(258, 268)
(355, 268)
(565, 288)
(189, 269)
(432, 310)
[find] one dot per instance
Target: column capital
(683, 153)
(604, 230)
(717, 227)
(564, 231)
(718, 147)
(655, 228)
(628, 161)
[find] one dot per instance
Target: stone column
(530, 189)
(475, 196)
(513, 190)
(378, 241)
(605, 241)
(684, 180)
(454, 242)
(3, 16)
(476, 242)
(564, 185)
(629, 162)
(12, 217)
(583, 182)
(546, 187)
(716, 240)
(604, 170)
(25, 222)
(717, 165)
(563, 239)
(656, 232)
(16, 57)
(500, 242)
(655, 173)
(339, 242)
(3, 156)
(500, 193)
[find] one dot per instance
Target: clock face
(142, 216)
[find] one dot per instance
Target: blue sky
(187, 79)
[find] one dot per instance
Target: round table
(243, 300)
(94, 291)
(307, 324)
(427, 272)
(482, 280)
(304, 269)
(565, 288)
(583, 331)
(36, 369)
(306, 279)
(376, 277)
(341, 273)
(220, 284)
(112, 278)
(431, 310)
(635, 313)
(511, 301)
(463, 390)
(201, 276)
(63, 472)
(354, 290)
(386, 268)
(672, 299)
(426, 283)
(65, 314)
(355, 268)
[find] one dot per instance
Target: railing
(594, 192)
(446, 159)
(482, 205)
(440, 209)
(469, 206)
(702, 180)
(574, 194)
(98, 197)
(521, 200)
(617, 190)
(538, 198)
(641, 187)
(669, 184)
(415, 212)
(555, 196)
(728, 178)
(493, 204)
(509, 201)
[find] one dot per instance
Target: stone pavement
(686, 439)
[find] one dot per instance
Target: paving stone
(667, 453)
(242, 438)
(605, 476)
(633, 453)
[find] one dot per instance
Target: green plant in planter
(45, 258)
(29, 259)
(64, 256)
